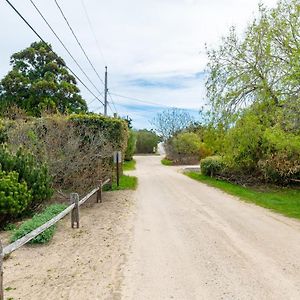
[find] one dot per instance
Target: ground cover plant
(129, 165)
(36, 221)
(126, 183)
(167, 162)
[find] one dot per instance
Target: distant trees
(39, 81)
(147, 141)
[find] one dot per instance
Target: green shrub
(131, 146)
(187, 143)
(167, 162)
(212, 165)
(281, 160)
(243, 143)
(147, 141)
(34, 174)
(37, 221)
(14, 195)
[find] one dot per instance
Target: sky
(154, 49)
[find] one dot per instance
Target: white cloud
(140, 39)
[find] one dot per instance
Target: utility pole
(105, 93)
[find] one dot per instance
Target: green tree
(147, 141)
(39, 81)
(261, 67)
(131, 145)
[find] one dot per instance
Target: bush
(131, 146)
(14, 195)
(34, 174)
(147, 141)
(187, 143)
(186, 148)
(77, 149)
(37, 221)
(212, 165)
(243, 144)
(281, 161)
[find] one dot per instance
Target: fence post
(1, 272)
(99, 192)
(110, 184)
(74, 198)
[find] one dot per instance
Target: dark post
(74, 198)
(118, 169)
(1, 272)
(99, 193)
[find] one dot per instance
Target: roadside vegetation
(126, 183)
(147, 141)
(167, 162)
(251, 133)
(129, 165)
(50, 145)
(282, 200)
(38, 220)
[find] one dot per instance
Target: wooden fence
(73, 208)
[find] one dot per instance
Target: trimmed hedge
(114, 128)
(77, 148)
(38, 220)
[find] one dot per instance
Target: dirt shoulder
(85, 263)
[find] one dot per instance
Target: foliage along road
(192, 241)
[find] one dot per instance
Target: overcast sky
(154, 49)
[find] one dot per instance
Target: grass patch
(126, 183)
(38, 220)
(285, 201)
(167, 162)
(129, 165)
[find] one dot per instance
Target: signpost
(117, 161)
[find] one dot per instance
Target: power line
(112, 101)
(62, 43)
(149, 102)
(78, 42)
(93, 31)
(139, 100)
(49, 48)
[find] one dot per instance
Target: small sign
(117, 157)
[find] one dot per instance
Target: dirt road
(195, 242)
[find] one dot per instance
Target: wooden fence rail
(73, 208)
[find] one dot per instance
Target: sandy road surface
(78, 264)
(195, 242)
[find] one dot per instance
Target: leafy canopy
(262, 67)
(39, 81)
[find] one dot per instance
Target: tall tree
(262, 67)
(39, 81)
